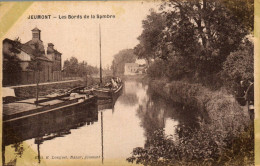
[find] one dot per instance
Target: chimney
(50, 45)
(36, 34)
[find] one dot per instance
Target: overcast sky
(80, 37)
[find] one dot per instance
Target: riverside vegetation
(198, 52)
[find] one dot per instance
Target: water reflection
(111, 130)
(45, 127)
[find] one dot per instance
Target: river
(116, 129)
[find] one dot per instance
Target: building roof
(6, 40)
(36, 29)
(44, 58)
(27, 49)
(49, 51)
(52, 50)
(57, 52)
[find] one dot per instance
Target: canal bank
(225, 138)
(215, 103)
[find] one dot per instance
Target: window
(35, 35)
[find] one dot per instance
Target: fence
(30, 77)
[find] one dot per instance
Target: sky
(80, 37)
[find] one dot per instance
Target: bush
(239, 65)
(200, 147)
(217, 142)
(157, 69)
(178, 68)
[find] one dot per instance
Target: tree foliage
(239, 65)
(243, 10)
(195, 37)
(124, 56)
(12, 64)
(36, 64)
(153, 26)
(73, 67)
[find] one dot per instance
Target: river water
(114, 129)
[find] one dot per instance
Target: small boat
(76, 98)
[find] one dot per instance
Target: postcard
(151, 83)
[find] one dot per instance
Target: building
(19, 61)
(134, 68)
(131, 68)
(54, 56)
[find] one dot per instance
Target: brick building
(18, 59)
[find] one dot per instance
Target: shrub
(239, 65)
(200, 147)
(157, 69)
(217, 142)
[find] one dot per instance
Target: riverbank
(219, 105)
(225, 137)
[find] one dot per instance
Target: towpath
(45, 83)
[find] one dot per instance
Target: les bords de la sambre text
(70, 16)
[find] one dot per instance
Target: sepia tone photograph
(152, 83)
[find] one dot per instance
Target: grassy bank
(225, 138)
(220, 106)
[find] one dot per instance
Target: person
(249, 96)
(240, 93)
(108, 85)
(113, 82)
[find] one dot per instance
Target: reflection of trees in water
(128, 99)
(132, 87)
(154, 112)
(152, 118)
(186, 115)
(133, 92)
(159, 147)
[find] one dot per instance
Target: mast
(102, 143)
(3, 152)
(38, 141)
(39, 155)
(100, 70)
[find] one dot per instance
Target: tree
(205, 31)
(199, 34)
(82, 68)
(74, 68)
(71, 66)
(243, 10)
(239, 65)
(124, 56)
(153, 27)
(35, 64)
(11, 64)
